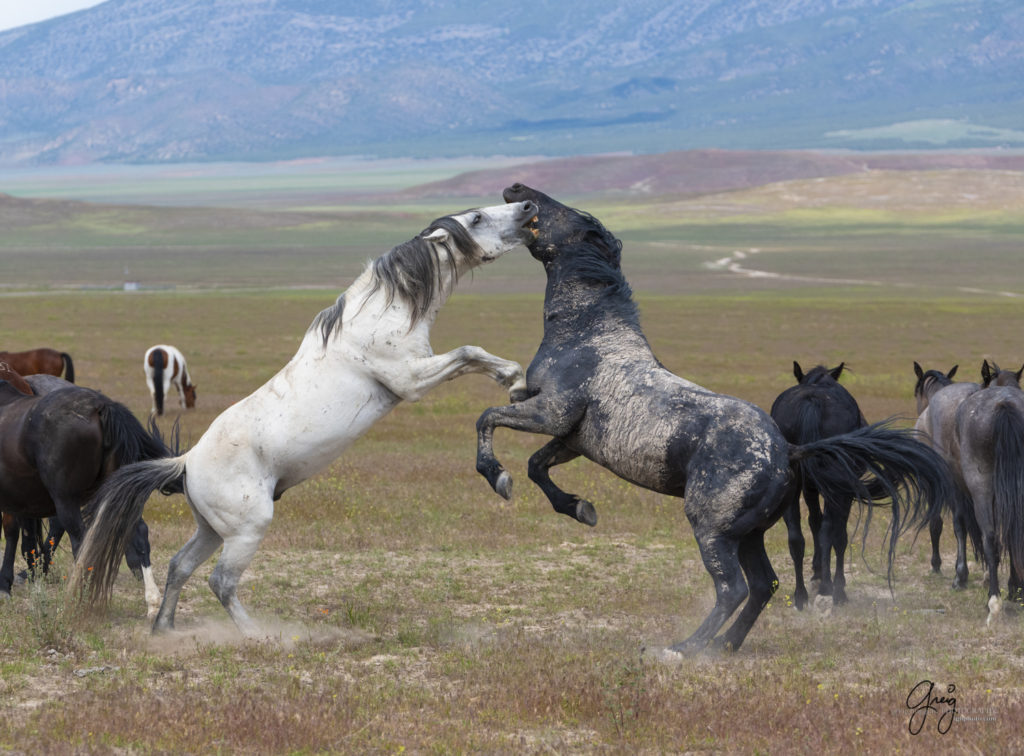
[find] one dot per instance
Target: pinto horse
(41, 361)
(165, 366)
(56, 447)
(357, 361)
(989, 447)
(597, 388)
(938, 399)
(817, 407)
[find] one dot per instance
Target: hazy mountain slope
(149, 80)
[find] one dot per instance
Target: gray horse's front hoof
(503, 486)
(586, 513)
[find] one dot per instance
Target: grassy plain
(408, 609)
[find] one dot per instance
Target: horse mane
(409, 271)
(936, 376)
(596, 259)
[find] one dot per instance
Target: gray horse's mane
(410, 272)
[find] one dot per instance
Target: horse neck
(573, 304)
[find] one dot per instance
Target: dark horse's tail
(116, 508)
(125, 440)
(902, 472)
(69, 367)
(1008, 483)
(159, 356)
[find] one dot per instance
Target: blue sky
(20, 12)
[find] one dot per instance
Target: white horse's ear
(438, 236)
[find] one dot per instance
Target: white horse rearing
(357, 361)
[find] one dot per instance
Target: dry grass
(408, 609)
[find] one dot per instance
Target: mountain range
(177, 80)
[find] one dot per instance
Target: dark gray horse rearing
(817, 407)
(597, 388)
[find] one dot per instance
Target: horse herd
(594, 386)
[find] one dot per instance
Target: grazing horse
(816, 408)
(41, 361)
(938, 398)
(597, 388)
(56, 447)
(165, 366)
(989, 446)
(358, 360)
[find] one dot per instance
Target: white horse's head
(486, 233)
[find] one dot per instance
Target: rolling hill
(174, 80)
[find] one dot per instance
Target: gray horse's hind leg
(763, 583)
(197, 550)
(553, 453)
(721, 559)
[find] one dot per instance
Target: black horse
(56, 447)
(597, 388)
(989, 446)
(817, 407)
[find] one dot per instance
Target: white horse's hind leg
(199, 548)
(238, 552)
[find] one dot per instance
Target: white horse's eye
(475, 219)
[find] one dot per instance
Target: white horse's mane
(409, 271)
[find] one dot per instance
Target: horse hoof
(586, 513)
(503, 486)
(994, 605)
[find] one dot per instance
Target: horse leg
(31, 536)
(992, 559)
(763, 583)
(935, 531)
(721, 559)
(197, 550)
(554, 452)
(136, 555)
(11, 533)
(414, 378)
(53, 535)
(238, 552)
(553, 415)
(814, 520)
(791, 515)
(960, 532)
(836, 522)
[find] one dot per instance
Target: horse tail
(1008, 481)
(125, 440)
(69, 367)
(159, 359)
(117, 508)
(904, 473)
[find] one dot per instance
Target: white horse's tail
(114, 512)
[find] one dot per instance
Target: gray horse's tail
(880, 465)
(1008, 483)
(69, 367)
(159, 358)
(116, 510)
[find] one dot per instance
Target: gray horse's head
(560, 229)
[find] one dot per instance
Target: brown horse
(44, 360)
(12, 376)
